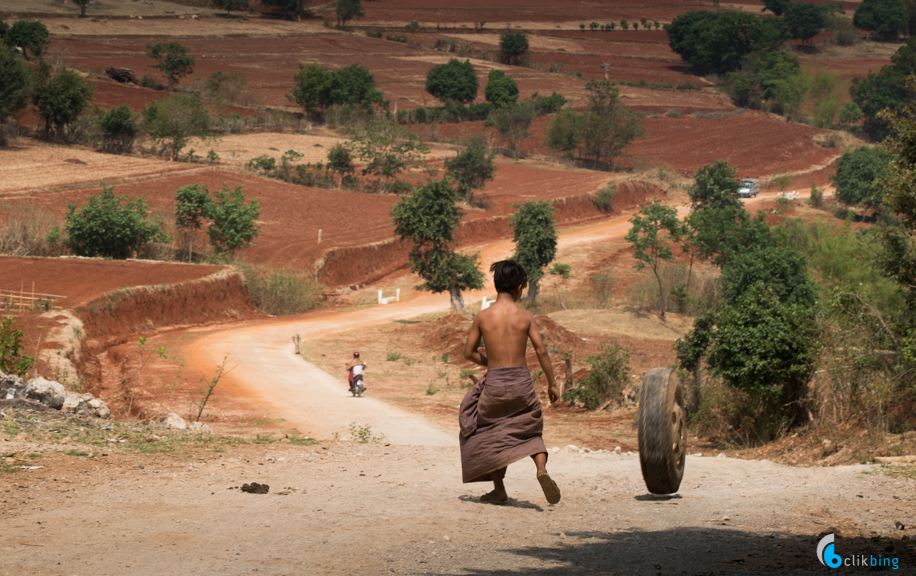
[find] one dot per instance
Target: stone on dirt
(48, 392)
(99, 409)
(76, 403)
(200, 428)
(10, 385)
(255, 488)
(174, 421)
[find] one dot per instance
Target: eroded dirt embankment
(125, 315)
(362, 264)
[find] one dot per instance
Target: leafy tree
(720, 234)
(454, 80)
(624, 25)
(172, 60)
(429, 218)
(347, 10)
(471, 169)
(513, 46)
(501, 89)
(850, 114)
(535, 235)
(312, 87)
(293, 8)
(192, 206)
(61, 98)
(608, 124)
(602, 131)
(885, 89)
(111, 226)
(235, 223)
(173, 121)
(340, 160)
(15, 84)
(858, 176)
(230, 5)
(353, 85)
(82, 4)
(12, 360)
(387, 150)
(655, 230)
(767, 348)
(777, 7)
(30, 35)
(783, 270)
(119, 129)
(512, 121)
(715, 186)
(824, 92)
(718, 42)
(886, 18)
(4, 28)
(804, 21)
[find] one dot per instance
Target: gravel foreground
(344, 508)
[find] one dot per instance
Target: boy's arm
(553, 391)
(472, 348)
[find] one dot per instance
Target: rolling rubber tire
(662, 431)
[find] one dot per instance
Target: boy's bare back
(506, 329)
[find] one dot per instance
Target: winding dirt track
(317, 403)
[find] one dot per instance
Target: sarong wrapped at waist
(501, 423)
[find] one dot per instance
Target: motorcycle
(358, 386)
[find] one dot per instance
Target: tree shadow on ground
(719, 550)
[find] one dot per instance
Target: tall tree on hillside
(60, 99)
(30, 35)
(454, 80)
(173, 121)
(715, 186)
(471, 169)
(428, 219)
(608, 125)
(15, 84)
(192, 207)
(82, 4)
(172, 60)
(513, 46)
(234, 223)
(804, 21)
(535, 235)
(347, 10)
(656, 229)
(387, 149)
(886, 18)
(512, 121)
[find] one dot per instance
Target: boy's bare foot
(495, 497)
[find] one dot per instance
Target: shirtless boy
(501, 420)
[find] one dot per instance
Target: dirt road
(373, 509)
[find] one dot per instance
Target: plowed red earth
(291, 216)
(526, 11)
(755, 142)
(80, 280)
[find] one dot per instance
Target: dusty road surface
(342, 508)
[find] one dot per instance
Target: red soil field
(291, 216)
(756, 142)
(80, 280)
(433, 11)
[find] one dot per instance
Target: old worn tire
(662, 431)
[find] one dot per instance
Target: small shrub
(414, 26)
(12, 361)
(816, 200)
(445, 358)
(846, 37)
(397, 38)
(392, 356)
(604, 199)
(610, 369)
(281, 292)
(430, 390)
(374, 33)
(363, 434)
(410, 361)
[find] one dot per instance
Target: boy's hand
(553, 393)
(483, 355)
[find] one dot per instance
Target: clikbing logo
(826, 554)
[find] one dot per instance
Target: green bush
(60, 100)
(858, 176)
(397, 38)
(31, 35)
(501, 89)
(111, 226)
(513, 46)
(454, 80)
(281, 292)
(12, 361)
(392, 356)
(119, 129)
(604, 199)
(173, 121)
(609, 374)
(413, 26)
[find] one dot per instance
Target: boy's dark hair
(508, 275)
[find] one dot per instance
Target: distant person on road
(500, 418)
(355, 367)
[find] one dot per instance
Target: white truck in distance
(748, 187)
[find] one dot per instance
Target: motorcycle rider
(355, 368)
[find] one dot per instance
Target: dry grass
(209, 25)
(624, 321)
(45, 166)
